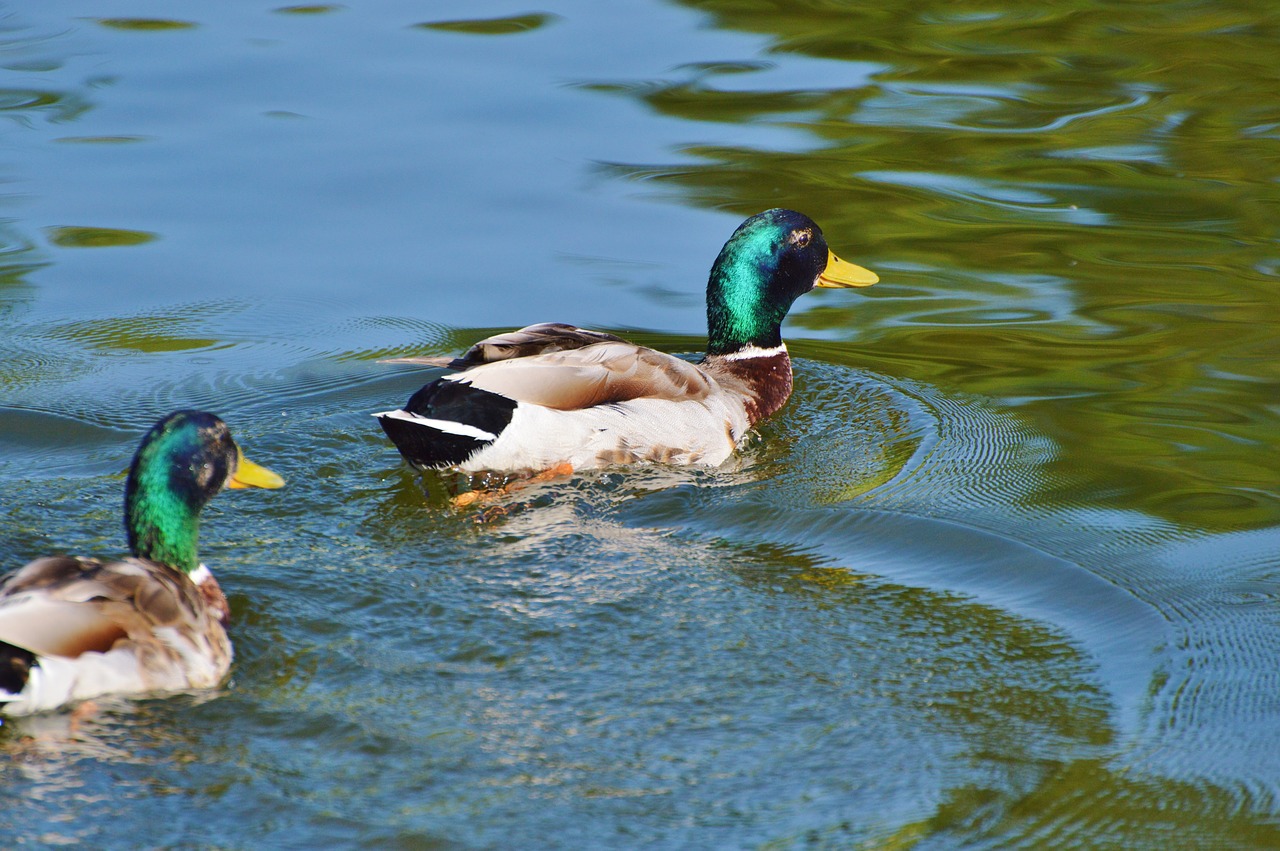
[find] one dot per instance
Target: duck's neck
(762, 376)
(162, 521)
(740, 312)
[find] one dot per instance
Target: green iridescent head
(772, 259)
(184, 460)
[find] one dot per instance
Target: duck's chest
(761, 379)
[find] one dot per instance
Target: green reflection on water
(493, 26)
(101, 140)
(145, 24)
(1079, 801)
(85, 237)
(26, 105)
(1082, 231)
(316, 9)
(134, 333)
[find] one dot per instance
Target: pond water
(1002, 574)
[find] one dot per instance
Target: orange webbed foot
(482, 496)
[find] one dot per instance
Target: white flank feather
(687, 432)
(56, 680)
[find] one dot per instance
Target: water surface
(1001, 575)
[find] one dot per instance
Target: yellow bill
(251, 475)
(842, 273)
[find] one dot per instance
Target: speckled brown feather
(62, 606)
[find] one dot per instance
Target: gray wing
(597, 374)
(544, 338)
(64, 606)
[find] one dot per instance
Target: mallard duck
(556, 396)
(74, 628)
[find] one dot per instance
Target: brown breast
(764, 383)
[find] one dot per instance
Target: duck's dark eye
(800, 238)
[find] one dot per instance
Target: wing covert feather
(64, 607)
(531, 341)
(598, 374)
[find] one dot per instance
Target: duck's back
(73, 629)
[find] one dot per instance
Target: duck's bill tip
(842, 273)
(251, 475)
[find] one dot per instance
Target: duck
(73, 629)
(553, 396)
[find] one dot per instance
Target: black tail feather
(459, 402)
(15, 667)
(451, 401)
(426, 447)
